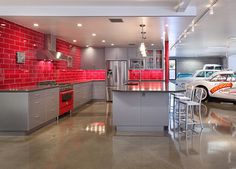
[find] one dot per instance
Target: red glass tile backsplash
(146, 74)
(15, 38)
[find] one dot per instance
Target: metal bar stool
(189, 107)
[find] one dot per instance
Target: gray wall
(191, 64)
(92, 58)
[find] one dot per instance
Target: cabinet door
(132, 53)
(110, 53)
(126, 110)
(99, 90)
(121, 54)
(154, 109)
(77, 95)
(37, 114)
(52, 103)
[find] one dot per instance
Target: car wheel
(205, 94)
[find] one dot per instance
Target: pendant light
(142, 47)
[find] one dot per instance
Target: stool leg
(186, 118)
(200, 115)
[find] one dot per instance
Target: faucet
(138, 65)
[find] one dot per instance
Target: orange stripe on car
(221, 86)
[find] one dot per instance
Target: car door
(219, 84)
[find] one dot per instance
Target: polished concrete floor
(87, 141)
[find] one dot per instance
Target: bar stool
(187, 114)
(180, 97)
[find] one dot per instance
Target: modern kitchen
(117, 84)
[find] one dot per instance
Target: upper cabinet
(116, 53)
(92, 58)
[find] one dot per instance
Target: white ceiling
(121, 34)
(89, 2)
(210, 38)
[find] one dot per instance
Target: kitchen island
(143, 106)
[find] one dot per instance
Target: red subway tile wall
(15, 38)
(95, 74)
(146, 74)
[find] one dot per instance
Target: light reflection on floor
(87, 141)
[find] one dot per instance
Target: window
(172, 69)
(218, 68)
(201, 74)
(220, 78)
(209, 73)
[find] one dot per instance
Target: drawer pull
(36, 116)
(36, 102)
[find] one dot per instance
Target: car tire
(205, 94)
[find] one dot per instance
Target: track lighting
(211, 10)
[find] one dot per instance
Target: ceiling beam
(182, 6)
(149, 11)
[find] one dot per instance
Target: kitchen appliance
(65, 95)
(116, 75)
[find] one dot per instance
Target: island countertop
(160, 86)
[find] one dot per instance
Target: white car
(221, 84)
(212, 67)
(198, 75)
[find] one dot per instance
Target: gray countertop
(38, 88)
(160, 86)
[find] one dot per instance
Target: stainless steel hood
(49, 52)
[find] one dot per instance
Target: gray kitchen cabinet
(133, 53)
(99, 90)
(116, 53)
(37, 113)
(43, 106)
(82, 93)
(92, 58)
(85, 92)
(26, 110)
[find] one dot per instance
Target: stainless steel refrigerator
(117, 74)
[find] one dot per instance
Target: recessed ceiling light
(87, 46)
(36, 25)
(74, 41)
(103, 41)
(166, 25)
(79, 25)
(93, 34)
(3, 24)
(112, 44)
(152, 44)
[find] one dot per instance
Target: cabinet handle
(36, 116)
(36, 102)
(37, 94)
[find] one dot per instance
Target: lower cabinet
(43, 106)
(99, 90)
(85, 92)
(82, 93)
(23, 111)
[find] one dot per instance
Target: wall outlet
(20, 57)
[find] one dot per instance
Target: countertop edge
(43, 88)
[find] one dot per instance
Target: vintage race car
(221, 84)
(198, 75)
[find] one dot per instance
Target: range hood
(49, 52)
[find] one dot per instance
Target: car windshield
(201, 74)
(184, 75)
(209, 73)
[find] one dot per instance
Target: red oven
(66, 101)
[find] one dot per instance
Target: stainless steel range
(65, 95)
